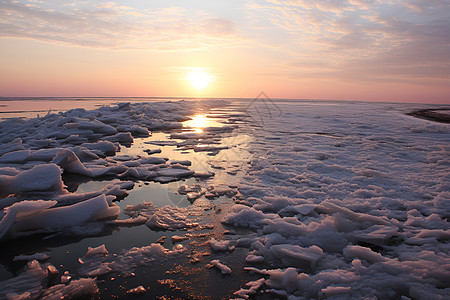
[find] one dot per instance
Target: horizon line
(80, 98)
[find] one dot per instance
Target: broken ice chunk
(71, 215)
(19, 156)
(254, 287)
(220, 245)
(124, 138)
(139, 220)
(204, 174)
(140, 290)
(223, 268)
(334, 290)
(36, 256)
(169, 218)
(152, 151)
(244, 216)
(362, 252)
(181, 162)
(27, 282)
(375, 235)
(294, 255)
(134, 130)
(152, 160)
(12, 146)
(52, 270)
(66, 277)
(28, 207)
(77, 289)
(97, 250)
(173, 172)
(251, 258)
(41, 178)
(177, 239)
(105, 147)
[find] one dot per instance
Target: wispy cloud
(285, 41)
(364, 39)
(113, 26)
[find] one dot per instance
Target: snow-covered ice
(335, 200)
(349, 202)
(223, 268)
(220, 245)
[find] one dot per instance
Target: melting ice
(334, 201)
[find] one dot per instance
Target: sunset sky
(381, 50)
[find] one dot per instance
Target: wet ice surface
(258, 199)
(131, 188)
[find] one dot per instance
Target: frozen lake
(298, 199)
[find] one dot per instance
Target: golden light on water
(199, 79)
(199, 122)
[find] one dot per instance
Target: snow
(36, 256)
(294, 255)
(139, 220)
(223, 268)
(134, 130)
(27, 284)
(174, 172)
(333, 290)
(19, 156)
(220, 245)
(140, 290)
(41, 178)
(244, 216)
(105, 147)
(176, 239)
(169, 218)
(351, 252)
(124, 138)
(66, 216)
(24, 208)
(97, 250)
(336, 200)
(128, 260)
(81, 288)
(181, 162)
(254, 287)
(353, 194)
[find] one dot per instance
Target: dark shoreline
(431, 115)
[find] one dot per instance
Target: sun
(199, 79)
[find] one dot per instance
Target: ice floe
(27, 285)
(345, 201)
(223, 268)
(221, 245)
(84, 287)
(36, 153)
(350, 214)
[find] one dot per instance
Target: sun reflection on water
(197, 123)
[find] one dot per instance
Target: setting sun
(199, 79)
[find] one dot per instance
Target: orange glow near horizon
(348, 50)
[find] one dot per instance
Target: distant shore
(434, 114)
